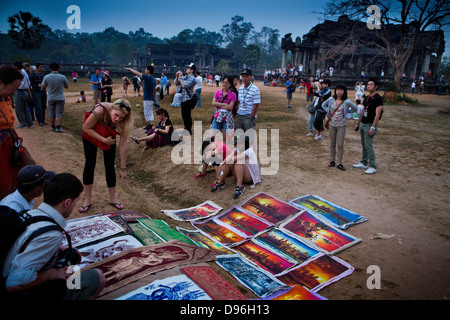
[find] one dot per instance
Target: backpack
(12, 225)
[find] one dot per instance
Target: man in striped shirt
(249, 100)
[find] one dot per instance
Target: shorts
(221, 126)
(55, 108)
(245, 122)
(309, 97)
(289, 95)
(96, 94)
(148, 110)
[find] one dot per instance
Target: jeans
(22, 111)
(199, 101)
(37, 97)
(368, 154)
(312, 118)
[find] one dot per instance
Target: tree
(26, 31)
(236, 34)
(410, 18)
(251, 55)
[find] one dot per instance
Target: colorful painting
(269, 208)
(219, 232)
(317, 233)
(91, 229)
(163, 230)
(339, 217)
(244, 221)
(172, 288)
(263, 257)
(289, 246)
(261, 283)
(317, 273)
(213, 284)
(204, 210)
(296, 293)
(203, 241)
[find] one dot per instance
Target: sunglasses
(123, 105)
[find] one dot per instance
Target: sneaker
(238, 192)
(310, 134)
(20, 126)
(288, 107)
(370, 170)
(340, 167)
(217, 186)
(41, 124)
(360, 165)
(59, 130)
(319, 137)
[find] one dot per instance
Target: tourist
(290, 88)
(74, 76)
(164, 82)
(210, 79)
(55, 84)
(242, 164)
(137, 81)
(149, 90)
(38, 269)
(31, 181)
(96, 81)
(213, 153)
(158, 135)
(223, 102)
(337, 108)
(187, 84)
(125, 84)
(116, 118)
(38, 93)
(23, 94)
(82, 98)
(249, 100)
(158, 94)
(367, 125)
(198, 88)
(309, 91)
(107, 87)
(10, 81)
(359, 91)
(324, 93)
(217, 79)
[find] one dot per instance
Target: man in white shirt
(31, 182)
(198, 88)
(23, 94)
(249, 99)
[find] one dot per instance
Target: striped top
(247, 98)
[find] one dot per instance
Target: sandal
(117, 205)
(200, 175)
(135, 139)
(86, 208)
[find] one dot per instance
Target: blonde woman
(105, 122)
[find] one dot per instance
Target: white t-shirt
(251, 162)
(198, 82)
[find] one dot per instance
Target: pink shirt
(230, 96)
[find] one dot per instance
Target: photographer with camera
(96, 81)
(36, 264)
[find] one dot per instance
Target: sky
(165, 19)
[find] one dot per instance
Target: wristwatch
(372, 128)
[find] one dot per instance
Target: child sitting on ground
(82, 98)
(360, 109)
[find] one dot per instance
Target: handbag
(327, 122)
(192, 102)
(101, 128)
(20, 156)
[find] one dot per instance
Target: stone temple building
(177, 55)
(350, 47)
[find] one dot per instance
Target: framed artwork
(269, 208)
(243, 221)
(219, 231)
(203, 241)
(318, 233)
(335, 215)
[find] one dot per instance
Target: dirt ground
(407, 197)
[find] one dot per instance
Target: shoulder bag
(327, 122)
(101, 128)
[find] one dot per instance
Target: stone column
(284, 59)
(426, 62)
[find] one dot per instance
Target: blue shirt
(149, 87)
(17, 202)
(96, 78)
(164, 80)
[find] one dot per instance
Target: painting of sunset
(244, 222)
(306, 226)
(269, 208)
(317, 273)
(203, 210)
(218, 232)
(299, 293)
(203, 241)
(263, 257)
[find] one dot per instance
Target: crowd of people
(108, 125)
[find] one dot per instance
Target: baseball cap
(247, 71)
(192, 66)
(32, 174)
